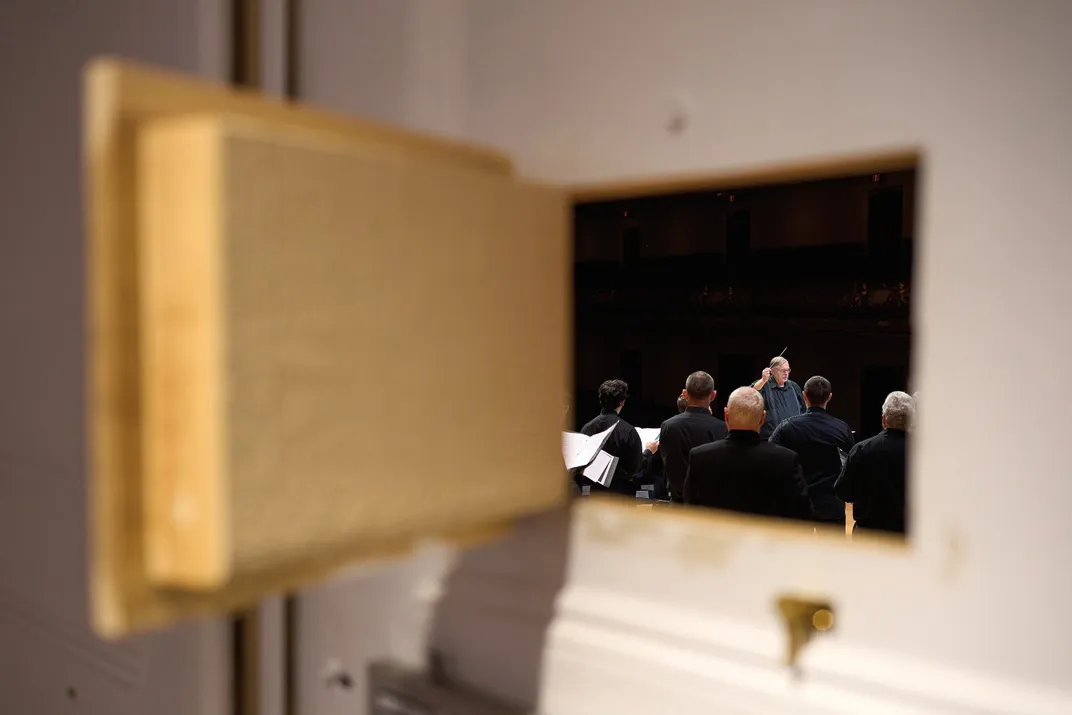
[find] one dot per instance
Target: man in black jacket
(873, 478)
(654, 474)
(819, 438)
(693, 427)
(742, 472)
(623, 442)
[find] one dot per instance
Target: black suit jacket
(817, 436)
(678, 435)
(623, 443)
(743, 473)
(873, 479)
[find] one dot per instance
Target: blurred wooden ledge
(230, 236)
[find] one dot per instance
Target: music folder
(601, 470)
(579, 450)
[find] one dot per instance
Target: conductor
(783, 397)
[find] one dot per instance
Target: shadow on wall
(491, 624)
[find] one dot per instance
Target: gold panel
(314, 341)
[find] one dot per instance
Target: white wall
(581, 92)
(45, 642)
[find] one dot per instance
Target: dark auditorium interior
(723, 280)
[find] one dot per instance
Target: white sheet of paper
(648, 434)
(572, 444)
(579, 450)
(601, 470)
(642, 494)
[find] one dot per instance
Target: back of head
(898, 410)
(744, 410)
(612, 393)
(818, 390)
(682, 403)
(700, 387)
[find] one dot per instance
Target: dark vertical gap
(290, 654)
(245, 625)
(245, 661)
(246, 43)
(238, 666)
(291, 91)
(292, 48)
(238, 42)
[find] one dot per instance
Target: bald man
(745, 473)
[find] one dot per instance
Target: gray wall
(46, 646)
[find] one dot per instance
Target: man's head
(779, 369)
(682, 403)
(898, 411)
(699, 389)
(612, 394)
(817, 391)
(744, 410)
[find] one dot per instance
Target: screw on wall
(336, 676)
(677, 118)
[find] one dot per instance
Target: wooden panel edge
(168, 604)
(111, 296)
(182, 383)
(147, 91)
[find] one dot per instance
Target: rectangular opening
(813, 265)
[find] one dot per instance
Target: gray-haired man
(873, 477)
(782, 397)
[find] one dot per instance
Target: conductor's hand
(766, 373)
(652, 447)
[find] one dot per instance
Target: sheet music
(601, 470)
(648, 434)
(572, 444)
(579, 450)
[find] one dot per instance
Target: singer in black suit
(745, 473)
(691, 428)
(623, 443)
(873, 478)
(819, 438)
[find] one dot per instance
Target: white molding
(602, 643)
(682, 660)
